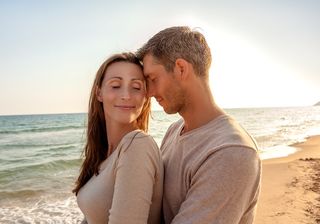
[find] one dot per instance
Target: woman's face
(122, 93)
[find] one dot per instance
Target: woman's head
(119, 91)
(118, 95)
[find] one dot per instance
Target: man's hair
(179, 42)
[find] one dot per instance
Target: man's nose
(150, 91)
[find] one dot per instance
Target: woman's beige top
(128, 188)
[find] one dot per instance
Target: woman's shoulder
(139, 146)
(138, 139)
(137, 135)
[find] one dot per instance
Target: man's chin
(169, 111)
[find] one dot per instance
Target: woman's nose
(125, 94)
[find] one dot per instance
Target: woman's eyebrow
(116, 77)
(120, 78)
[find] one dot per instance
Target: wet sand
(291, 187)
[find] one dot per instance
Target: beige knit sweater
(128, 189)
(212, 174)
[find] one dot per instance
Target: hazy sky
(264, 53)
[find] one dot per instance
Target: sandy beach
(291, 187)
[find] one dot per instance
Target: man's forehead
(148, 64)
(149, 59)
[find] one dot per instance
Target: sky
(265, 53)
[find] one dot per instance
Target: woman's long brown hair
(96, 148)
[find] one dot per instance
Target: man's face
(163, 85)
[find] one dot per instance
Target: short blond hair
(179, 42)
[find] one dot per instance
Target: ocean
(40, 155)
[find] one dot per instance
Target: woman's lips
(125, 107)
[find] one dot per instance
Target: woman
(122, 173)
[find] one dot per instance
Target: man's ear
(181, 68)
(98, 94)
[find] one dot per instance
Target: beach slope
(291, 187)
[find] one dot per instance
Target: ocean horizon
(40, 155)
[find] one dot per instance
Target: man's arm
(224, 189)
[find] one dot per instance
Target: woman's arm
(134, 182)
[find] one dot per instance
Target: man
(212, 169)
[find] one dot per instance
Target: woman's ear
(98, 94)
(181, 68)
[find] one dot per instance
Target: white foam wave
(277, 152)
(42, 211)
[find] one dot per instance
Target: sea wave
(20, 193)
(36, 168)
(44, 209)
(42, 129)
(46, 147)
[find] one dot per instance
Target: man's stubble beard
(176, 99)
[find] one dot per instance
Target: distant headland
(317, 104)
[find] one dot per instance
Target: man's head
(168, 58)
(179, 42)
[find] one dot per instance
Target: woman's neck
(115, 132)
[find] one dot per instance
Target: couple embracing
(207, 169)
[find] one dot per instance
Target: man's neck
(199, 109)
(195, 119)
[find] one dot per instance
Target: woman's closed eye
(115, 86)
(136, 86)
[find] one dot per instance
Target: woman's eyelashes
(134, 86)
(115, 86)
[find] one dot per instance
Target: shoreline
(290, 190)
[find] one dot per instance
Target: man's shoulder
(174, 127)
(226, 131)
(222, 132)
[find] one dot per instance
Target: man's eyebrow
(136, 79)
(147, 75)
